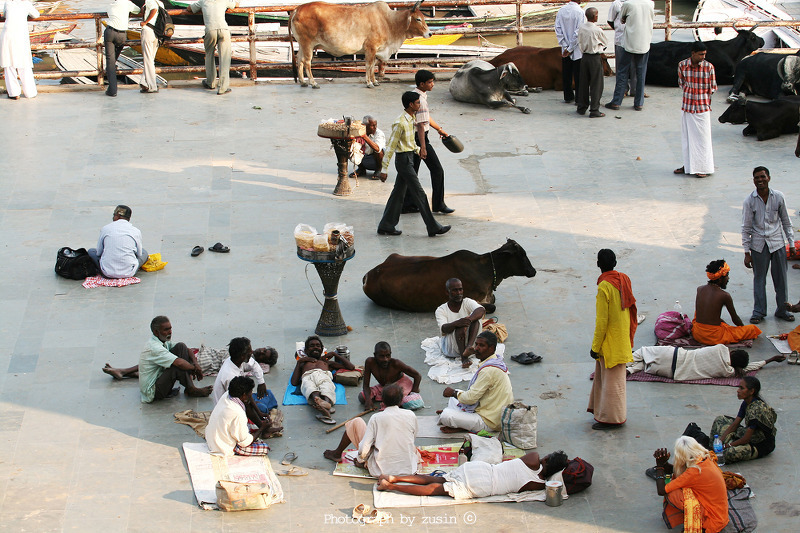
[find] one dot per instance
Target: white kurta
(15, 41)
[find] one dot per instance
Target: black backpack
(163, 26)
(74, 264)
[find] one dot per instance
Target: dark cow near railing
(662, 65)
(766, 120)
(766, 74)
(479, 82)
(540, 67)
(416, 283)
(371, 29)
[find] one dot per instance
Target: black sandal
(219, 248)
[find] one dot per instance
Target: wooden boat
(46, 33)
(434, 17)
(747, 13)
(85, 59)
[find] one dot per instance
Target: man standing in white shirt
(217, 38)
(150, 45)
(385, 445)
(114, 38)
(591, 42)
(637, 15)
(459, 321)
(568, 19)
(614, 19)
(765, 221)
(119, 252)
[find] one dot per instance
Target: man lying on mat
(227, 433)
(681, 364)
(480, 407)
(387, 370)
(313, 373)
(707, 326)
(386, 444)
(477, 479)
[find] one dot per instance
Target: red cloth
(622, 283)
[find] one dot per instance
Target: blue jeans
(624, 64)
(762, 262)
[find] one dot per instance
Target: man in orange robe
(707, 326)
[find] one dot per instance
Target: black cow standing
(767, 74)
(662, 66)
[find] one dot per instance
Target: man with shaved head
(459, 321)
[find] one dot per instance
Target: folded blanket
(446, 370)
(100, 281)
(293, 396)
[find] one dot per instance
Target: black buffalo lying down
(416, 283)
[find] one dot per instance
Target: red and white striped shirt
(698, 83)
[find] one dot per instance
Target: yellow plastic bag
(153, 263)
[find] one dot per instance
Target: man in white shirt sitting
(119, 252)
(459, 321)
(373, 143)
(386, 444)
(681, 364)
(227, 433)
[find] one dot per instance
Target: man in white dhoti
(459, 320)
(696, 78)
(477, 479)
(15, 49)
(313, 374)
(681, 364)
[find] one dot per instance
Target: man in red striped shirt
(696, 78)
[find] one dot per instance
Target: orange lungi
(723, 334)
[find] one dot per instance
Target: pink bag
(672, 325)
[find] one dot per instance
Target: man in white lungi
(15, 48)
(696, 78)
(459, 321)
(313, 374)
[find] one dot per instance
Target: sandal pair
(526, 358)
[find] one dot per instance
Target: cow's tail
(291, 47)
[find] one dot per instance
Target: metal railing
(253, 66)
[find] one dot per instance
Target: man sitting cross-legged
(459, 321)
(477, 479)
(481, 406)
(386, 444)
(707, 326)
(388, 370)
(162, 363)
(227, 433)
(313, 373)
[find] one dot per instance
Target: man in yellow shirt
(614, 329)
(402, 142)
(480, 407)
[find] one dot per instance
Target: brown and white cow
(416, 283)
(540, 67)
(371, 29)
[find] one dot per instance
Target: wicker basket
(339, 130)
(312, 256)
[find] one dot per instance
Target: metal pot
(553, 496)
(453, 144)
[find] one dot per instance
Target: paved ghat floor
(79, 452)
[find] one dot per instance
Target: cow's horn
(416, 6)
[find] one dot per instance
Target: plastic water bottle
(718, 451)
(678, 309)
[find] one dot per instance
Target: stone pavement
(79, 451)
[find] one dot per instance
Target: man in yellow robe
(614, 329)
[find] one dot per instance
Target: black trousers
(406, 185)
(437, 175)
(570, 71)
(168, 378)
(591, 88)
(114, 41)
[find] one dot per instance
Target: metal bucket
(553, 496)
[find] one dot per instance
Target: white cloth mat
(429, 429)
(446, 370)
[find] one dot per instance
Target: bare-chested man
(386, 371)
(708, 326)
(313, 373)
(459, 320)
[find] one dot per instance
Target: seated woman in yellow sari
(696, 497)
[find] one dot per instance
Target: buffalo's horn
(754, 27)
(734, 26)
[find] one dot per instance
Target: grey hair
(367, 118)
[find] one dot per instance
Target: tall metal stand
(331, 323)
(342, 149)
